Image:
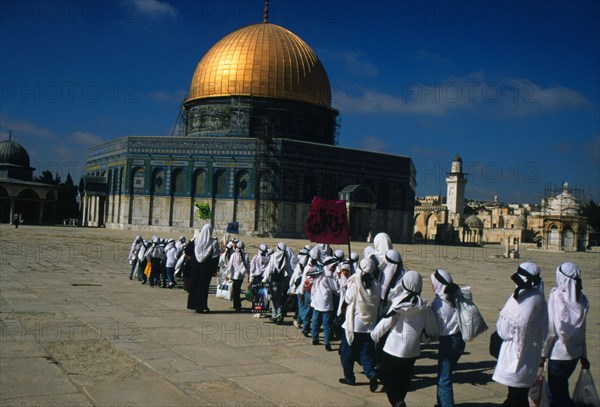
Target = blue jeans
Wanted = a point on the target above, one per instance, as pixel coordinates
(301, 308)
(363, 350)
(170, 274)
(324, 317)
(308, 314)
(450, 349)
(559, 372)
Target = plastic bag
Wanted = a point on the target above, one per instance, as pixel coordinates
(224, 290)
(470, 320)
(539, 393)
(585, 394)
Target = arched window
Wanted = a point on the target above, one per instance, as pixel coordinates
(220, 183)
(158, 182)
(178, 183)
(199, 184)
(138, 180)
(242, 186)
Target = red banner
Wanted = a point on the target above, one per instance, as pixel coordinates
(327, 222)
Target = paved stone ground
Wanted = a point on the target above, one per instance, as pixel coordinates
(75, 331)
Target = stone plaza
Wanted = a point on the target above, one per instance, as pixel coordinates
(75, 331)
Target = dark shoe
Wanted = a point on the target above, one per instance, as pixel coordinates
(315, 341)
(400, 404)
(328, 347)
(131, 278)
(373, 384)
(343, 380)
(199, 311)
(306, 334)
(143, 282)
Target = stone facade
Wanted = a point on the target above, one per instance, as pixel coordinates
(265, 186)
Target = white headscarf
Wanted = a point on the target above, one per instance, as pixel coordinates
(527, 276)
(279, 257)
(394, 265)
(570, 311)
(382, 244)
(412, 284)
(203, 243)
(439, 287)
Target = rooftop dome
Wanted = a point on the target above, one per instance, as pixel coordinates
(564, 203)
(13, 153)
(473, 222)
(262, 60)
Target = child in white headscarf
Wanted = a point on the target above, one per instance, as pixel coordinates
(409, 317)
(238, 268)
(324, 286)
(362, 296)
(278, 275)
(523, 326)
(451, 344)
(565, 345)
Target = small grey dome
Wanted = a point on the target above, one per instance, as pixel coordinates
(473, 222)
(13, 153)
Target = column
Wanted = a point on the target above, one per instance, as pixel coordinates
(12, 211)
(41, 214)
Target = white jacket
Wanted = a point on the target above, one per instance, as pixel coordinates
(238, 266)
(258, 266)
(523, 327)
(171, 252)
(321, 297)
(405, 327)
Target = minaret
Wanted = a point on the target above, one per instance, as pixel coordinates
(456, 180)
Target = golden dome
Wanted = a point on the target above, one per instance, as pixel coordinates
(263, 60)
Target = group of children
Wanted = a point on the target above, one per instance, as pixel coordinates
(376, 309)
(154, 260)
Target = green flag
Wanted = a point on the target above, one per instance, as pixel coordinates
(203, 210)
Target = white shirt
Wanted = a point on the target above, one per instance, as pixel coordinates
(321, 296)
(523, 326)
(171, 253)
(446, 316)
(405, 327)
(258, 266)
(361, 324)
(238, 266)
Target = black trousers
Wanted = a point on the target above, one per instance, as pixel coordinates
(395, 374)
(236, 291)
(517, 397)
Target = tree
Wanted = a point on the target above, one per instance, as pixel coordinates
(67, 200)
(591, 210)
(46, 177)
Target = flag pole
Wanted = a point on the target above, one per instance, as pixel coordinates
(348, 220)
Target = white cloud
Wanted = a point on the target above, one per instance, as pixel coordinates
(505, 97)
(353, 61)
(372, 143)
(66, 154)
(85, 138)
(22, 128)
(153, 8)
(170, 98)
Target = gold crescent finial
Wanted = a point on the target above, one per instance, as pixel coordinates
(266, 12)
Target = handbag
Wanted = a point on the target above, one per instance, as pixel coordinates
(585, 394)
(470, 320)
(148, 269)
(495, 344)
(248, 294)
(539, 393)
(224, 290)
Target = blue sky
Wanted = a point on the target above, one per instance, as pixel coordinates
(513, 87)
